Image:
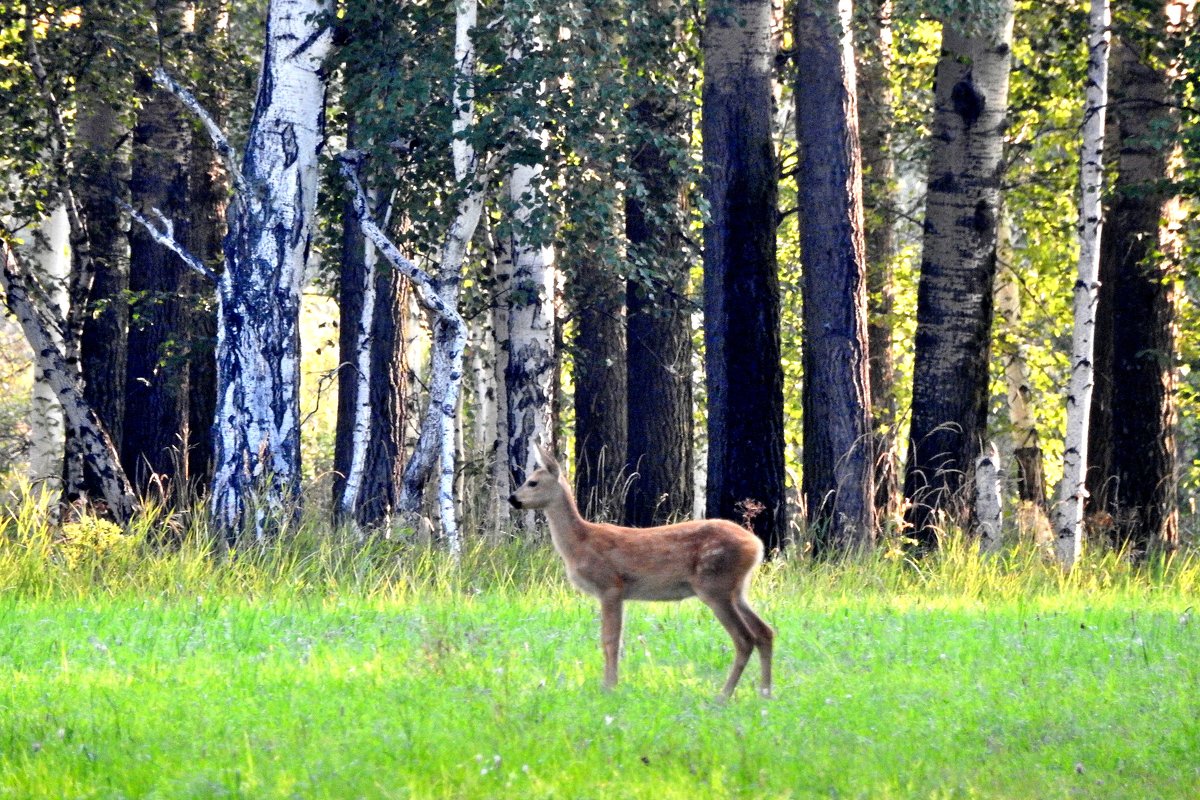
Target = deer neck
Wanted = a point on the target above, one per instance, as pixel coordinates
(567, 525)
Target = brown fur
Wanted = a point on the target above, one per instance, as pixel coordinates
(710, 559)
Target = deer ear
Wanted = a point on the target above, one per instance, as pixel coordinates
(547, 460)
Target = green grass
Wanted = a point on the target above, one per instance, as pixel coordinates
(324, 669)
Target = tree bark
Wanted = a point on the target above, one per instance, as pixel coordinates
(156, 378)
(873, 83)
(1068, 519)
(102, 158)
(741, 285)
(989, 508)
(208, 199)
(440, 298)
(1027, 452)
(369, 444)
(96, 448)
(528, 295)
(958, 265)
(257, 434)
(1134, 479)
(49, 256)
(502, 484)
(659, 451)
(838, 461)
(600, 384)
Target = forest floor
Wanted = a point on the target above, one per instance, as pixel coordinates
(325, 677)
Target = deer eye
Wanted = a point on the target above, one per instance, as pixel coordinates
(532, 484)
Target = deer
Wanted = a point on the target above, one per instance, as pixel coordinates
(711, 559)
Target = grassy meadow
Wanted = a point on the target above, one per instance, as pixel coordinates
(323, 668)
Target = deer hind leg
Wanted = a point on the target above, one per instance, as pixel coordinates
(743, 640)
(610, 637)
(764, 640)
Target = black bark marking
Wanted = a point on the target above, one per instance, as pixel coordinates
(291, 150)
(968, 102)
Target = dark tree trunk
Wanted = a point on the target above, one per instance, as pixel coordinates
(958, 267)
(741, 284)
(659, 335)
(838, 463)
(208, 197)
(659, 378)
(600, 387)
(156, 377)
(874, 66)
(377, 490)
(1031, 480)
(1133, 478)
(102, 159)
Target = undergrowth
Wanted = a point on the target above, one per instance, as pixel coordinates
(165, 554)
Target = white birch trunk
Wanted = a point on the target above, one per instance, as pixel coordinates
(437, 439)
(529, 305)
(50, 261)
(257, 430)
(989, 511)
(529, 372)
(483, 379)
(95, 447)
(1068, 522)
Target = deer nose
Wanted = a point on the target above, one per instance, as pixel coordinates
(513, 501)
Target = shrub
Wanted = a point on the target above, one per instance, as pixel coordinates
(93, 540)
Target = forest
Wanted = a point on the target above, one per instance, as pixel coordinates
(811, 268)
(304, 297)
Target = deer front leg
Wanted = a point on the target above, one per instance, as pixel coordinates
(610, 636)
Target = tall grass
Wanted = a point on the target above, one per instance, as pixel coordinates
(174, 554)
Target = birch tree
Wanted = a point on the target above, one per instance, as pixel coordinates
(958, 262)
(53, 328)
(1027, 452)
(437, 440)
(372, 391)
(1068, 516)
(436, 444)
(256, 475)
(527, 275)
(95, 447)
(49, 256)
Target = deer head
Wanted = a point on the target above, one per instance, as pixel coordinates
(541, 488)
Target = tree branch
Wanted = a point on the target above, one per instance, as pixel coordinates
(220, 141)
(166, 237)
(349, 163)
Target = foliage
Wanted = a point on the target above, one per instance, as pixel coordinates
(92, 540)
